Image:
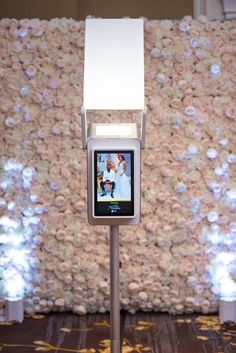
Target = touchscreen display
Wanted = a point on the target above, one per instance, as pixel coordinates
(114, 183)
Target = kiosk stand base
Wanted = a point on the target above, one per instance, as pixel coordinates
(14, 310)
(227, 310)
(114, 290)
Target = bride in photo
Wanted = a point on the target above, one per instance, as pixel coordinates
(122, 181)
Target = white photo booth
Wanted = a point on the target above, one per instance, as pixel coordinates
(114, 80)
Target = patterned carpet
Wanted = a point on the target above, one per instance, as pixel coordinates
(142, 333)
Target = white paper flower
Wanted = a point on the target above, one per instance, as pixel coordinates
(231, 194)
(184, 26)
(24, 91)
(190, 111)
(215, 69)
(192, 149)
(224, 142)
(211, 153)
(156, 52)
(219, 171)
(231, 158)
(212, 217)
(194, 42)
(10, 122)
(22, 32)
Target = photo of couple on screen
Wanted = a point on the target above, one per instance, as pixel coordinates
(114, 176)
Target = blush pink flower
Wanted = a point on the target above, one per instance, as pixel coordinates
(37, 32)
(31, 71)
(74, 26)
(179, 68)
(200, 54)
(60, 63)
(13, 32)
(203, 19)
(53, 84)
(61, 234)
(176, 103)
(231, 112)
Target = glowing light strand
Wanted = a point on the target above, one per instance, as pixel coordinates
(18, 225)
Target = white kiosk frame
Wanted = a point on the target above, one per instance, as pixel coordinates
(114, 69)
(114, 80)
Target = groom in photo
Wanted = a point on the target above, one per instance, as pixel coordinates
(108, 179)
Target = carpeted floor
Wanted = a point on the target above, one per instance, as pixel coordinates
(142, 333)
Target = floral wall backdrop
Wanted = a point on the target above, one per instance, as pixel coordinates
(182, 257)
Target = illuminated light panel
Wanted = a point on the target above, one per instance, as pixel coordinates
(227, 288)
(14, 285)
(114, 130)
(226, 257)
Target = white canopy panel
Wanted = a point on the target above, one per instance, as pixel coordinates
(114, 64)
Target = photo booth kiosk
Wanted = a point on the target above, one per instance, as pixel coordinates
(113, 199)
(114, 80)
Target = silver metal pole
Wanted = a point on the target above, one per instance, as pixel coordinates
(84, 126)
(114, 290)
(143, 127)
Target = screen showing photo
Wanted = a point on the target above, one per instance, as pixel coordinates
(113, 183)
